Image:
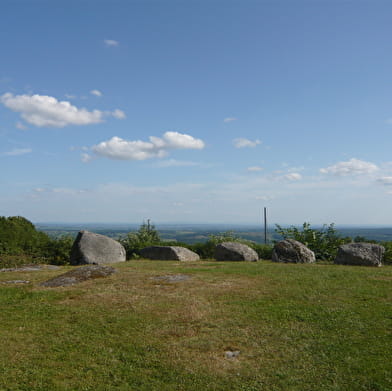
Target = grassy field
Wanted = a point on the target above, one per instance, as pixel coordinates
(297, 327)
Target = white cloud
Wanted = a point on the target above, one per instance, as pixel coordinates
(17, 152)
(351, 167)
(120, 149)
(230, 119)
(111, 42)
(255, 168)
(96, 92)
(245, 143)
(119, 114)
(47, 111)
(293, 176)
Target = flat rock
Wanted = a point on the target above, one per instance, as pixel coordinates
(292, 251)
(360, 254)
(78, 275)
(15, 282)
(172, 278)
(169, 253)
(92, 248)
(234, 251)
(29, 268)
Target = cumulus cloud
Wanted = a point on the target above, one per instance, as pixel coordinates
(350, 167)
(255, 168)
(230, 119)
(96, 93)
(111, 42)
(47, 111)
(17, 152)
(158, 147)
(245, 143)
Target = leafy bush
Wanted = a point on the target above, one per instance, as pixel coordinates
(323, 242)
(264, 251)
(133, 242)
(388, 253)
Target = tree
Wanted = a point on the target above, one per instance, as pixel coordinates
(147, 235)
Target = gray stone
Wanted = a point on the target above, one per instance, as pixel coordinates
(292, 251)
(232, 354)
(78, 275)
(29, 268)
(15, 282)
(169, 253)
(361, 254)
(92, 248)
(234, 251)
(172, 278)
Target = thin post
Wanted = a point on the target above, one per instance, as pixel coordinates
(265, 225)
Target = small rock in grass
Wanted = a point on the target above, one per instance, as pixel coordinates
(232, 354)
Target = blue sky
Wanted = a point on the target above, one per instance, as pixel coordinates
(196, 111)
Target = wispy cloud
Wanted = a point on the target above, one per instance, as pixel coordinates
(230, 119)
(96, 93)
(176, 163)
(292, 176)
(245, 143)
(17, 152)
(47, 111)
(20, 125)
(350, 167)
(157, 147)
(254, 169)
(111, 42)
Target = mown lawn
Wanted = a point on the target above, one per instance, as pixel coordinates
(297, 327)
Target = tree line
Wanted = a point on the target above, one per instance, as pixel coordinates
(21, 242)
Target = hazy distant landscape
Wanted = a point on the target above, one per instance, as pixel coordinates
(193, 233)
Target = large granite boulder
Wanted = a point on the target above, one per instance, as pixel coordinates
(234, 251)
(79, 274)
(169, 253)
(292, 251)
(362, 254)
(91, 248)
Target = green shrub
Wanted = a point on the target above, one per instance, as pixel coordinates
(133, 242)
(388, 253)
(323, 242)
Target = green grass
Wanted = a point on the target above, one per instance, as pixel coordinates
(298, 327)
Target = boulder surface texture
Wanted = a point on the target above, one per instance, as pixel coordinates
(234, 251)
(78, 275)
(169, 253)
(292, 251)
(362, 254)
(91, 248)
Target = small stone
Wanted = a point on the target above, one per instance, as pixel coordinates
(173, 278)
(232, 354)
